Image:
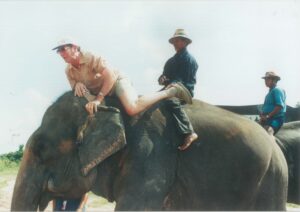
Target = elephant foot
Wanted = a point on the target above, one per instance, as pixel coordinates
(189, 139)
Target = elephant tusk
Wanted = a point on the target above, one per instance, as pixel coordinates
(50, 186)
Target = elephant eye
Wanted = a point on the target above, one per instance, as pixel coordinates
(44, 149)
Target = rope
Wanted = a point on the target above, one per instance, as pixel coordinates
(90, 118)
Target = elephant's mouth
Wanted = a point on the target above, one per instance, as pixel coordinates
(70, 186)
(56, 188)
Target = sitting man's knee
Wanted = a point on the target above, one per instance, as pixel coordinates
(131, 110)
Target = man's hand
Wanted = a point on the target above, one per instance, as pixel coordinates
(91, 107)
(80, 89)
(263, 118)
(163, 80)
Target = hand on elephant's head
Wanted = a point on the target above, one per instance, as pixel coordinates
(66, 168)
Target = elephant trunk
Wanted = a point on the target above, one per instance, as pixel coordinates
(29, 185)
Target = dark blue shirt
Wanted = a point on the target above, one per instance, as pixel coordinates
(275, 97)
(182, 67)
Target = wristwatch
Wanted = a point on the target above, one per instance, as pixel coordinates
(100, 94)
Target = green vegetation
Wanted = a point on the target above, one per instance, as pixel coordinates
(10, 161)
(291, 205)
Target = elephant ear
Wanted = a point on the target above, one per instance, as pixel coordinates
(100, 137)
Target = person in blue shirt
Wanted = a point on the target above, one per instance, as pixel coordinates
(181, 68)
(274, 107)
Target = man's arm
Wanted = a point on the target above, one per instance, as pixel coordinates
(274, 112)
(109, 79)
(108, 76)
(265, 117)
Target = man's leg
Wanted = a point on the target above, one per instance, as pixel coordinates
(182, 122)
(134, 104)
(272, 126)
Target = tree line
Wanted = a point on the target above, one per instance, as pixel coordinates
(11, 159)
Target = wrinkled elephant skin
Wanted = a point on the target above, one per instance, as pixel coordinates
(288, 139)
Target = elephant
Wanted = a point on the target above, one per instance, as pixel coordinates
(292, 114)
(288, 139)
(135, 161)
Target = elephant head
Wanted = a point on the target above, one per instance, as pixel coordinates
(60, 155)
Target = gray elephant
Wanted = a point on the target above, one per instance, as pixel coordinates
(292, 113)
(234, 166)
(288, 139)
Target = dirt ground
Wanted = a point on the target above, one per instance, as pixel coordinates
(94, 202)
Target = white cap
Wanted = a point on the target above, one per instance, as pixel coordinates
(64, 42)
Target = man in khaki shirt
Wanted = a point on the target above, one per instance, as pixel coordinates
(89, 73)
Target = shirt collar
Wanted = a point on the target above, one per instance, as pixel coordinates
(182, 51)
(82, 60)
(272, 87)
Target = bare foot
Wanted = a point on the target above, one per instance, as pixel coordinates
(189, 139)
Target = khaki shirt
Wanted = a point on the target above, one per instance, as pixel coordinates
(89, 72)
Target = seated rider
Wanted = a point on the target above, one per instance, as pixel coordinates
(90, 74)
(274, 107)
(182, 67)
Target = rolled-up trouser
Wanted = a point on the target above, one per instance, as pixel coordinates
(181, 119)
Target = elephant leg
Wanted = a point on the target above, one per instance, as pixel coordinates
(270, 194)
(145, 191)
(141, 198)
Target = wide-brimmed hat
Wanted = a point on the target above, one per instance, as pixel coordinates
(271, 74)
(182, 34)
(64, 42)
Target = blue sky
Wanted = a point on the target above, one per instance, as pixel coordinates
(234, 42)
